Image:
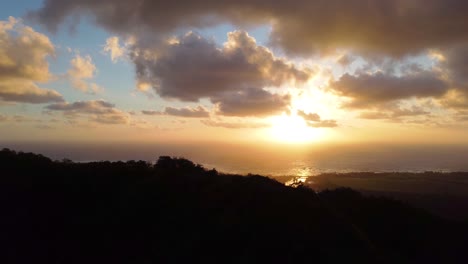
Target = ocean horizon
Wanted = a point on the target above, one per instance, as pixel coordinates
(273, 160)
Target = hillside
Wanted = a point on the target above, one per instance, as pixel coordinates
(175, 211)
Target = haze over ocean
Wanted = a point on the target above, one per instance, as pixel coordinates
(273, 160)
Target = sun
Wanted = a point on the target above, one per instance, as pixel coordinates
(293, 129)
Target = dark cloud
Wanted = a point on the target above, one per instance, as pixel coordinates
(234, 125)
(394, 27)
(97, 111)
(251, 102)
(90, 107)
(346, 60)
(192, 67)
(367, 90)
(391, 27)
(151, 112)
(232, 76)
(455, 63)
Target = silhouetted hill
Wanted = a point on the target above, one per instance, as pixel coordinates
(175, 211)
(441, 193)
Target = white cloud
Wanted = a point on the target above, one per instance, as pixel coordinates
(81, 70)
(113, 48)
(27, 92)
(23, 62)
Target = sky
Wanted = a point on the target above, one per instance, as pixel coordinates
(289, 72)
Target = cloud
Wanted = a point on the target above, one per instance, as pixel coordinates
(374, 115)
(113, 48)
(17, 119)
(197, 112)
(81, 69)
(455, 99)
(27, 92)
(368, 90)
(151, 112)
(308, 117)
(396, 28)
(455, 62)
(323, 124)
(414, 111)
(92, 107)
(234, 125)
(23, 61)
(461, 116)
(240, 77)
(98, 111)
(251, 102)
(192, 67)
(111, 119)
(346, 60)
(23, 52)
(314, 120)
(394, 113)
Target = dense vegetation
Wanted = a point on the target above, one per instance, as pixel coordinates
(175, 211)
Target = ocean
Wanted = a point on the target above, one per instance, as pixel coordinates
(269, 159)
(316, 166)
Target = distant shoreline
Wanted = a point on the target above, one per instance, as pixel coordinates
(270, 160)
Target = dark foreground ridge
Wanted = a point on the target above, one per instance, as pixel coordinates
(175, 211)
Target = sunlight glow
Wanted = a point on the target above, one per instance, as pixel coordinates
(293, 129)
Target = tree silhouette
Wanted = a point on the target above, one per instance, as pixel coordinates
(175, 211)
